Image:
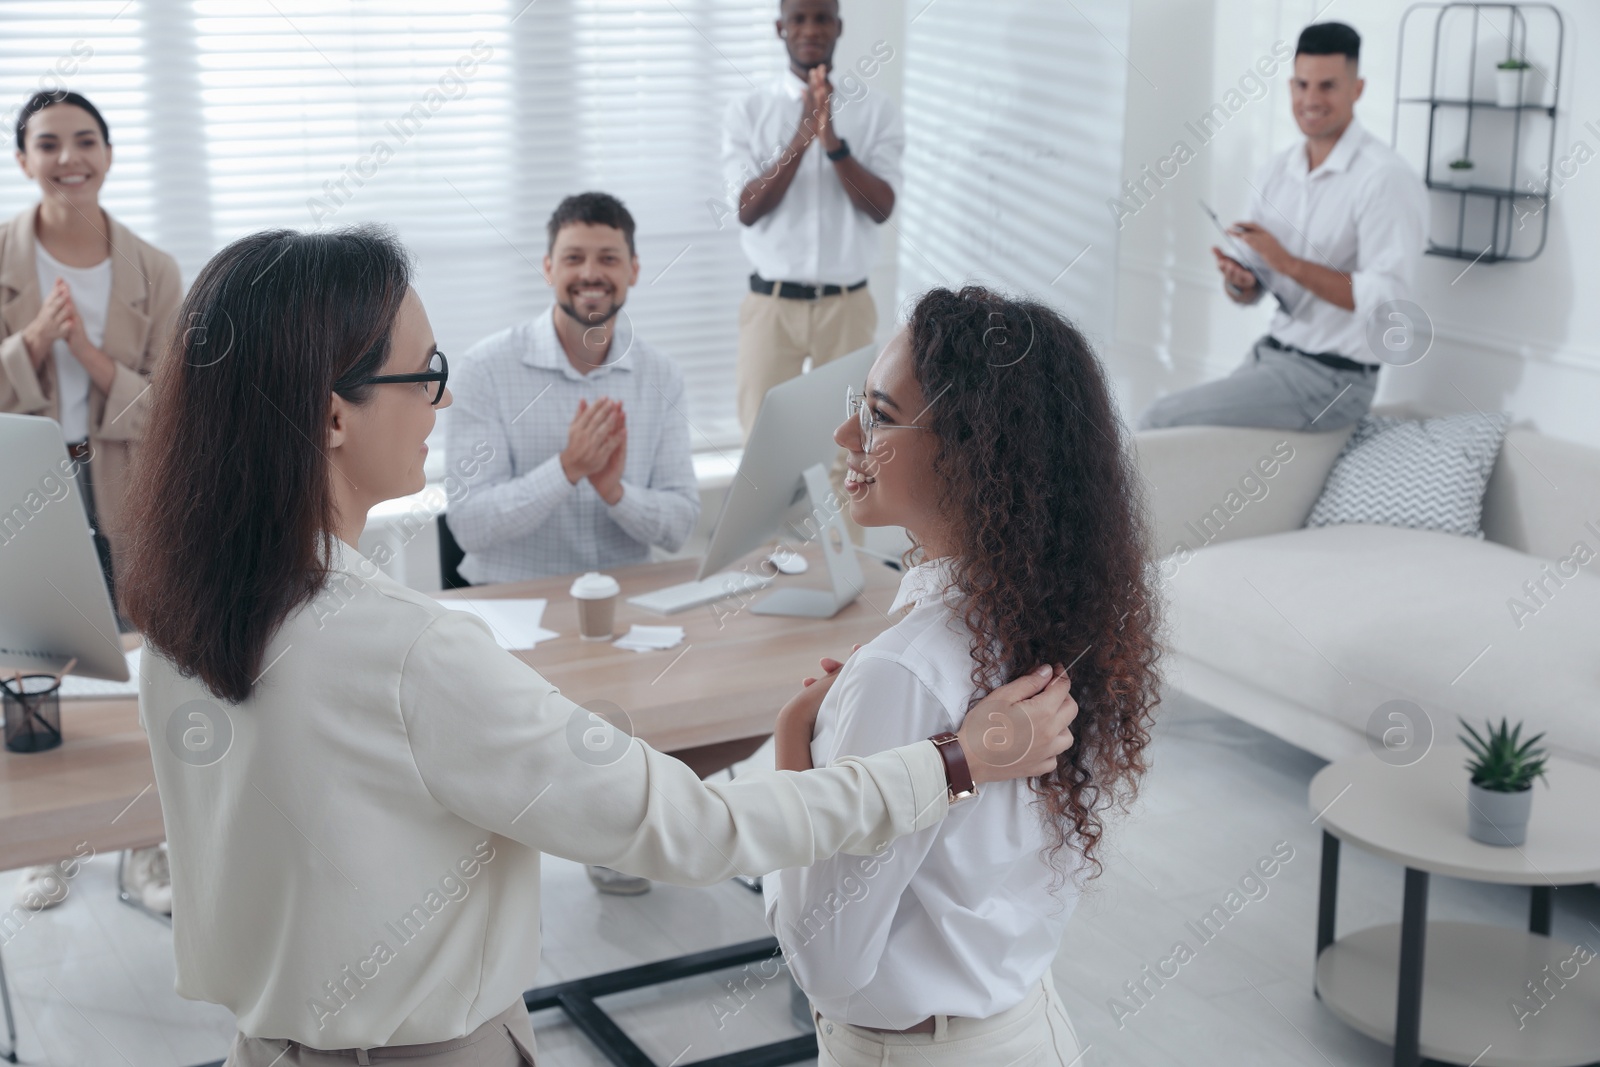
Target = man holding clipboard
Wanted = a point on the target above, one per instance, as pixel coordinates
(1338, 232)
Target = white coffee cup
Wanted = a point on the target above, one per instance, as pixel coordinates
(596, 595)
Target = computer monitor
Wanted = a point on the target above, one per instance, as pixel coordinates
(54, 605)
(787, 458)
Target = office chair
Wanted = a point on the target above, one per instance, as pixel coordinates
(450, 557)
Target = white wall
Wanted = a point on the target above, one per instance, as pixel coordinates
(1509, 336)
(1014, 130)
(866, 24)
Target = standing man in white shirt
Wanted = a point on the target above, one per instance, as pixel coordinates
(815, 177)
(1338, 229)
(573, 427)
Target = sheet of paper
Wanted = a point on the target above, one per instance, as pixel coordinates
(514, 621)
(650, 638)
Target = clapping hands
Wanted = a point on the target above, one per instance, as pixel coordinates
(597, 447)
(57, 320)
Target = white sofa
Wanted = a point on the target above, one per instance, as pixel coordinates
(1305, 632)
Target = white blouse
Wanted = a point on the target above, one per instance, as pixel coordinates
(91, 295)
(355, 848)
(956, 919)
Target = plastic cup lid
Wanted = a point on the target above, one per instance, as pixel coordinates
(595, 586)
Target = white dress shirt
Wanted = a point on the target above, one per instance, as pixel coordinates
(91, 295)
(355, 847)
(958, 919)
(815, 235)
(516, 516)
(1362, 212)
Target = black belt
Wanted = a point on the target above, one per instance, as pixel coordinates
(1327, 359)
(797, 291)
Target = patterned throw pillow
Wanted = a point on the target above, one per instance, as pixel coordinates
(1422, 475)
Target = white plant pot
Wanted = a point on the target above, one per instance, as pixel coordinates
(1511, 85)
(1498, 818)
(1461, 179)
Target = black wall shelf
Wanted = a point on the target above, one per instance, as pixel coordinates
(1487, 216)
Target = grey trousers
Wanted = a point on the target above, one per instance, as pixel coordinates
(1274, 390)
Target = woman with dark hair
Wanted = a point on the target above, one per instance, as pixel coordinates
(987, 431)
(357, 782)
(88, 306)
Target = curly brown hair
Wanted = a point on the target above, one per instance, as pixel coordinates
(1041, 494)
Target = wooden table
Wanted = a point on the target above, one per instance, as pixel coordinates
(721, 688)
(726, 681)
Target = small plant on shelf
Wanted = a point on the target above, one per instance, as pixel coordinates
(1461, 173)
(1501, 762)
(1503, 767)
(1513, 82)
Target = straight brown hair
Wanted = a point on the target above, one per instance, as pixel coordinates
(230, 508)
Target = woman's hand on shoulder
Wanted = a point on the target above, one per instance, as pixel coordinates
(797, 719)
(1019, 729)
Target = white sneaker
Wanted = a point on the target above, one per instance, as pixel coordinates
(616, 883)
(41, 888)
(149, 879)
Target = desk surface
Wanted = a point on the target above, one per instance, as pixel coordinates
(725, 682)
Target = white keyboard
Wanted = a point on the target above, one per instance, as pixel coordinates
(74, 687)
(77, 687)
(676, 598)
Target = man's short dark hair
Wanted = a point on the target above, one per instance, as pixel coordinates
(41, 100)
(595, 209)
(1329, 39)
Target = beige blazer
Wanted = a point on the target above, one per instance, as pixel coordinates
(146, 290)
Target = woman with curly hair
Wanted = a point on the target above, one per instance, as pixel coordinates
(988, 432)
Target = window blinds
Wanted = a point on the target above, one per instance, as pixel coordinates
(460, 125)
(1014, 118)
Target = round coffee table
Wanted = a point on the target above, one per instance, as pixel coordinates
(1495, 997)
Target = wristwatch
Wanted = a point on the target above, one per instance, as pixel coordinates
(840, 152)
(957, 775)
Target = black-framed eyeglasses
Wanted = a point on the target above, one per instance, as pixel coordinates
(438, 371)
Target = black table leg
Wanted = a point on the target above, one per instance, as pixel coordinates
(576, 999)
(1327, 899)
(1539, 912)
(10, 1054)
(1408, 1001)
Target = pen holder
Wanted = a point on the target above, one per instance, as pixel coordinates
(32, 712)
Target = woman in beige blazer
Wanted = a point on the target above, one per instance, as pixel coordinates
(86, 308)
(63, 144)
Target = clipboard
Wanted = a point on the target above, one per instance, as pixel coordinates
(1245, 257)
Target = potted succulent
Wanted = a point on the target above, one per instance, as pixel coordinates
(1510, 80)
(1500, 795)
(1461, 171)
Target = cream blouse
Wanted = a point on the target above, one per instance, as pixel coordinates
(355, 848)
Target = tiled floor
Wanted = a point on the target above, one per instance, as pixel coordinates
(93, 979)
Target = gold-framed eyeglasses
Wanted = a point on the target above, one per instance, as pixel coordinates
(856, 407)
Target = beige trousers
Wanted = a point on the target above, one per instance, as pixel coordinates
(1035, 1033)
(504, 1041)
(777, 335)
